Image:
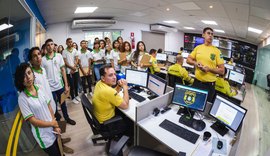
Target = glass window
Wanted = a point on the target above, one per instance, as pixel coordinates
(90, 36)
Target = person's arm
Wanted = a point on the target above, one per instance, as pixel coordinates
(63, 72)
(192, 61)
(186, 77)
(219, 70)
(125, 103)
(89, 66)
(40, 123)
(68, 65)
(81, 68)
(229, 91)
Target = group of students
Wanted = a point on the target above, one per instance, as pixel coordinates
(42, 82)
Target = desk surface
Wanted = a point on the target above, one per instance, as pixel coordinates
(151, 126)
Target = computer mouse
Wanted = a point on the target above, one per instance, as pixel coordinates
(219, 144)
(198, 125)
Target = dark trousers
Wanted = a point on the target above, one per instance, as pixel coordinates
(89, 82)
(209, 86)
(73, 83)
(53, 150)
(57, 97)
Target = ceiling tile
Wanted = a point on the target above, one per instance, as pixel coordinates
(236, 11)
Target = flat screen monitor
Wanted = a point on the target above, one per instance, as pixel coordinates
(136, 77)
(156, 84)
(171, 58)
(189, 97)
(198, 41)
(227, 113)
(236, 77)
(229, 66)
(161, 57)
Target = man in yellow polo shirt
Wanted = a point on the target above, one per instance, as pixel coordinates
(178, 70)
(106, 98)
(208, 62)
(224, 87)
(154, 66)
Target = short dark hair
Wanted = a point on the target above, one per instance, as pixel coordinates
(31, 52)
(152, 51)
(102, 69)
(19, 76)
(68, 39)
(102, 41)
(207, 28)
(159, 50)
(48, 40)
(181, 48)
(82, 41)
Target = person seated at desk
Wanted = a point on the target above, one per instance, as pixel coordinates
(181, 51)
(106, 98)
(224, 87)
(178, 70)
(231, 62)
(154, 69)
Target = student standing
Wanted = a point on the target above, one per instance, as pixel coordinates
(36, 108)
(98, 59)
(137, 55)
(56, 72)
(125, 63)
(85, 67)
(208, 62)
(71, 60)
(115, 56)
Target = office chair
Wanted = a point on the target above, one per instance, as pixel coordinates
(116, 150)
(109, 130)
(173, 79)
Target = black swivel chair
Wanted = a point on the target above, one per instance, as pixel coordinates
(174, 79)
(109, 130)
(116, 150)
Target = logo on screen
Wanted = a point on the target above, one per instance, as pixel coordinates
(189, 97)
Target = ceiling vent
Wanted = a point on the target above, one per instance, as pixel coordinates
(162, 28)
(92, 23)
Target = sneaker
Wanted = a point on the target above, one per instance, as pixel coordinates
(75, 101)
(78, 98)
(67, 150)
(65, 140)
(71, 122)
(91, 94)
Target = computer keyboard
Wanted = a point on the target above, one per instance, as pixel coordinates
(136, 97)
(180, 131)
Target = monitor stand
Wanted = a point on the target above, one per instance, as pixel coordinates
(220, 128)
(185, 111)
(186, 120)
(138, 89)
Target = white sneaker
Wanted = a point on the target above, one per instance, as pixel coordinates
(91, 94)
(78, 99)
(75, 101)
(85, 94)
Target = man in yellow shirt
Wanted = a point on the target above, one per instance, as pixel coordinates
(181, 51)
(106, 98)
(208, 62)
(178, 70)
(224, 87)
(154, 66)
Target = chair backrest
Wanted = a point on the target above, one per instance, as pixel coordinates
(173, 79)
(88, 109)
(268, 80)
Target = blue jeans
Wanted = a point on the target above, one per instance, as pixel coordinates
(96, 70)
(57, 97)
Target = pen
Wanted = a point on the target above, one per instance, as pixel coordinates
(56, 133)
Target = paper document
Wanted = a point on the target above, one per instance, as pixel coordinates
(64, 97)
(146, 59)
(59, 142)
(122, 57)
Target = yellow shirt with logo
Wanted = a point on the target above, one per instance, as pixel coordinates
(224, 87)
(208, 56)
(104, 100)
(154, 67)
(178, 70)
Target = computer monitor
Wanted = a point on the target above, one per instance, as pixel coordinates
(171, 58)
(189, 97)
(231, 67)
(227, 74)
(161, 57)
(236, 77)
(156, 84)
(136, 77)
(227, 114)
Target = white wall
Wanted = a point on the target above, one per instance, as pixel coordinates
(60, 31)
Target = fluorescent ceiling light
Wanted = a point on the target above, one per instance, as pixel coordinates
(190, 28)
(209, 22)
(171, 22)
(258, 31)
(218, 30)
(5, 26)
(80, 10)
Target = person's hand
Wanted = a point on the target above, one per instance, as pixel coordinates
(205, 69)
(74, 68)
(66, 89)
(54, 123)
(72, 71)
(57, 130)
(84, 73)
(122, 83)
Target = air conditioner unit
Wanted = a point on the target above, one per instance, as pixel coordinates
(162, 28)
(92, 23)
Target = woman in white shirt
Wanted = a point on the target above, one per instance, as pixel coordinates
(98, 59)
(125, 63)
(137, 55)
(115, 56)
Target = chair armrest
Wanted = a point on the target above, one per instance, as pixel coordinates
(117, 148)
(113, 120)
